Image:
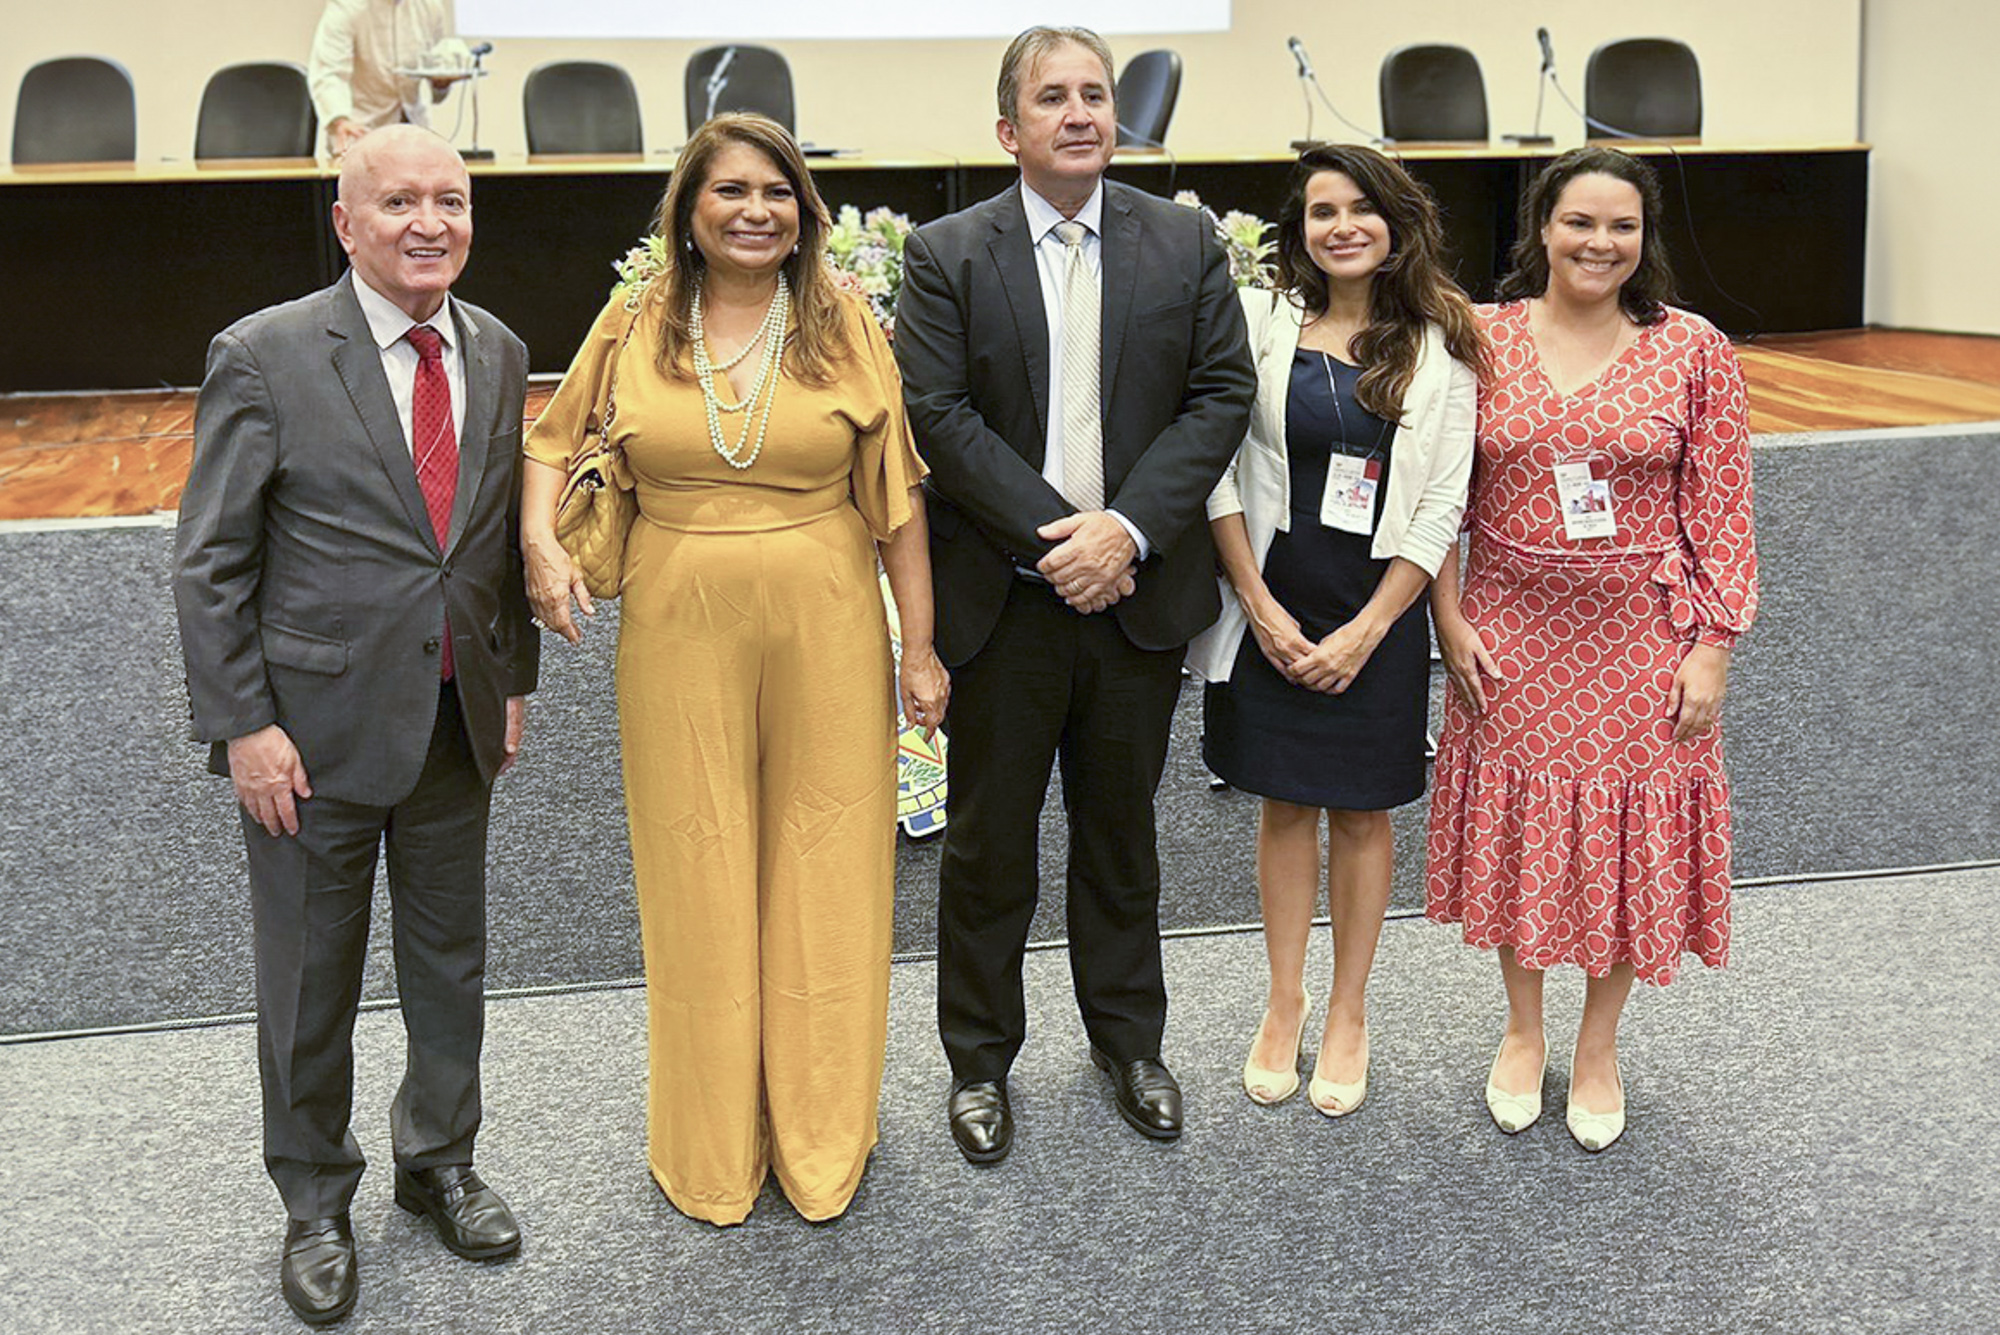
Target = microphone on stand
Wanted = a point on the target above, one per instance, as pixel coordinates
(1680, 167)
(1590, 122)
(1308, 85)
(476, 153)
(718, 79)
(1543, 78)
(1298, 50)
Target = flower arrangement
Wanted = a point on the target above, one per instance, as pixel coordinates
(866, 255)
(641, 265)
(864, 251)
(1243, 240)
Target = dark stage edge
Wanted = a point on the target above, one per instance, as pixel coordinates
(1810, 1151)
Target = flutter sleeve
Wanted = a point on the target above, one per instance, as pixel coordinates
(558, 433)
(886, 464)
(1714, 495)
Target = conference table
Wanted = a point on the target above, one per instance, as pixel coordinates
(115, 277)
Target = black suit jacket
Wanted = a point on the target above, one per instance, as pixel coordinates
(312, 592)
(1177, 383)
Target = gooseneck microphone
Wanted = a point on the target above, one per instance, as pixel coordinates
(478, 53)
(1308, 86)
(718, 79)
(1298, 50)
(1591, 123)
(1551, 81)
(1543, 79)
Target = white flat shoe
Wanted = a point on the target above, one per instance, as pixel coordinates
(1332, 1100)
(1267, 1086)
(1515, 1113)
(1597, 1131)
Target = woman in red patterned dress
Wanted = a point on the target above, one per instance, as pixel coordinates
(1580, 811)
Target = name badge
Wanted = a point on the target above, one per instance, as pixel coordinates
(1583, 489)
(1350, 493)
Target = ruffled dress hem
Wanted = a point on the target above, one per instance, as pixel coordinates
(1596, 871)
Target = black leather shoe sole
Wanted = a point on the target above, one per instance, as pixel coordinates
(416, 1202)
(1132, 1119)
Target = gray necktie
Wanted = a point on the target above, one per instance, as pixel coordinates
(1082, 412)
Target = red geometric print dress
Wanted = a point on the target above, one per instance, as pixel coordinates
(1565, 821)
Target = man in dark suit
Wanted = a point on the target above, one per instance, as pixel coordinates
(1074, 360)
(348, 577)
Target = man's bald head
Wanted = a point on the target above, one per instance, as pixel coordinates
(360, 161)
(404, 216)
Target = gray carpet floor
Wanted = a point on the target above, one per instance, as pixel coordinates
(1814, 1147)
(1860, 737)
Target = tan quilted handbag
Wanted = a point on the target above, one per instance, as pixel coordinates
(594, 514)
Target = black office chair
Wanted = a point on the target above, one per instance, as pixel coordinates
(581, 106)
(739, 78)
(75, 109)
(1433, 91)
(1645, 86)
(256, 110)
(1147, 91)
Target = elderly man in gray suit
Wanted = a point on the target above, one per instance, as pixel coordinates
(348, 577)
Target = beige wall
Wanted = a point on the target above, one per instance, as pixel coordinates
(1930, 106)
(1775, 71)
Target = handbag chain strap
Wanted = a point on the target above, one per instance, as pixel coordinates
(610, 413)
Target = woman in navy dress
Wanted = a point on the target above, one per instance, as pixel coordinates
(1340, 506)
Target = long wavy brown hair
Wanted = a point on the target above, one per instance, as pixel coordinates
(1411, 290)
(1646, 294)
(820, 339)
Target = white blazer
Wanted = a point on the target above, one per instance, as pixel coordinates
(1430, 462)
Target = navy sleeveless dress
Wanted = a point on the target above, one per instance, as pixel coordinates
(1361, 750)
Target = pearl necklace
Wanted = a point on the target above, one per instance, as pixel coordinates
(771, 334)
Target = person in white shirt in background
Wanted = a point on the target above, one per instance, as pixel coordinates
(356, 52)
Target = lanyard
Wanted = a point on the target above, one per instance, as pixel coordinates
(1340, 417)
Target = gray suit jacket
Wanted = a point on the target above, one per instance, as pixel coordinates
(1177, 381)
(311, 590)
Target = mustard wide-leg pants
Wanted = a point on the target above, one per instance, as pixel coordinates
(757, 720)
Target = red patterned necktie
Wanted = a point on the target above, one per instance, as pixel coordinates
(434, 446)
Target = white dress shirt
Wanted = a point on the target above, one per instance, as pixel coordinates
(356, 51)
(1051, 264)
(388, 323)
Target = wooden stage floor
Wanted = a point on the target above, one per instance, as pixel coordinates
(83, 455)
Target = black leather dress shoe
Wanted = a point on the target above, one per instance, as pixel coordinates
(982, 1125)
(1147, 1094)
(471, 1218)
(318, 1274)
